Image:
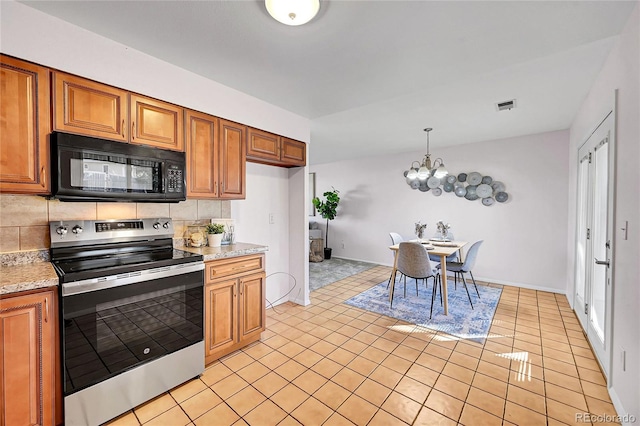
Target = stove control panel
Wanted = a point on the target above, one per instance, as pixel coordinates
(120, 225)
(85, 232)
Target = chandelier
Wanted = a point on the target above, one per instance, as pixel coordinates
(292, 12)
(423, 175)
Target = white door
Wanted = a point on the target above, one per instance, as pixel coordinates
(592, 299)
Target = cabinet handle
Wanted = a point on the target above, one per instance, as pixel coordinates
(239, 267)
(43, 177)
(215, 188)
(46, 310)
(133, 130)
(241, 287)
(123, 128)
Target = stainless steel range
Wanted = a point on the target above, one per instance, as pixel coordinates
(131, 314)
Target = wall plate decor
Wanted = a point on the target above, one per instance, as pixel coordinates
(474, 178)
(427, 176)
(470, 186)
(483, 190)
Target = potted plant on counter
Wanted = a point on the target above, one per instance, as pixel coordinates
(328, 209)
(214, 234)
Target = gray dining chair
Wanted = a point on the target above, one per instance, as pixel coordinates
(395, 239)
(460, 268)
(413, 262)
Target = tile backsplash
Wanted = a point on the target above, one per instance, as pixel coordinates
(24, 219)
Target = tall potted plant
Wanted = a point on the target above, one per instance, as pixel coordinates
(328, 209)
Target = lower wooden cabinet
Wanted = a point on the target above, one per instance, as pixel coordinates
(234, 304)
(28, 359)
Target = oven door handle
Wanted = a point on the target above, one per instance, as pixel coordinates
(95, 284)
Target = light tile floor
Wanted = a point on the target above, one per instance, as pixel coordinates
(332, 364)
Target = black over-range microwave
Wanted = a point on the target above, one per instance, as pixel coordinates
(92, 169)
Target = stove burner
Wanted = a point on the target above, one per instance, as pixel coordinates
(113, 247)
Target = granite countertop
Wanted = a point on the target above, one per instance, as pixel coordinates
(232, 250)
(30, 276)
(31, 270)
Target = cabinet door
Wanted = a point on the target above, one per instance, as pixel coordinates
(263, 146)
(89, 108)
(24, 126)
(293, 153)
(202, 155)
(156, 123)
(27, 329)
(221, 316)
(252, 309)
(232, 160)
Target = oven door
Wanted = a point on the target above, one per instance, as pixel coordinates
(114, 324)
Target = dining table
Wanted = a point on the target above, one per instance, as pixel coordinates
(438, 248)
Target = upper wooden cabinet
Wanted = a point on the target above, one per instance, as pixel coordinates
(24, 127)
(215, 157)
(85, 107)
(233, 157)
(156, 123)
(90, 108)
(263, 146)
(292, 152)
(268, 148)
(27, 348)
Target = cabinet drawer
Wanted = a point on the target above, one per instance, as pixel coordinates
(233, 266)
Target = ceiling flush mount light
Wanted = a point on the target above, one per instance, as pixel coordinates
(423, 175)
(292, 12)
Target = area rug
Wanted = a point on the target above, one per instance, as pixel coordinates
(462, 321)
(331, 270)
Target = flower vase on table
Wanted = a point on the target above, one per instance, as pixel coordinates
(443, 229)
(420, 227)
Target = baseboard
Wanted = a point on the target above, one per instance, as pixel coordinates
(361, 260)
(623, 417)
(527, 286)
(483, 279)
(300, 301)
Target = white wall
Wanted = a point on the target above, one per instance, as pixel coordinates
(622, 72)
(34, 36)
(299, 233)
(267, 188)
(524, 239)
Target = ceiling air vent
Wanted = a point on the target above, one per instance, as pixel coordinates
(502, 106)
